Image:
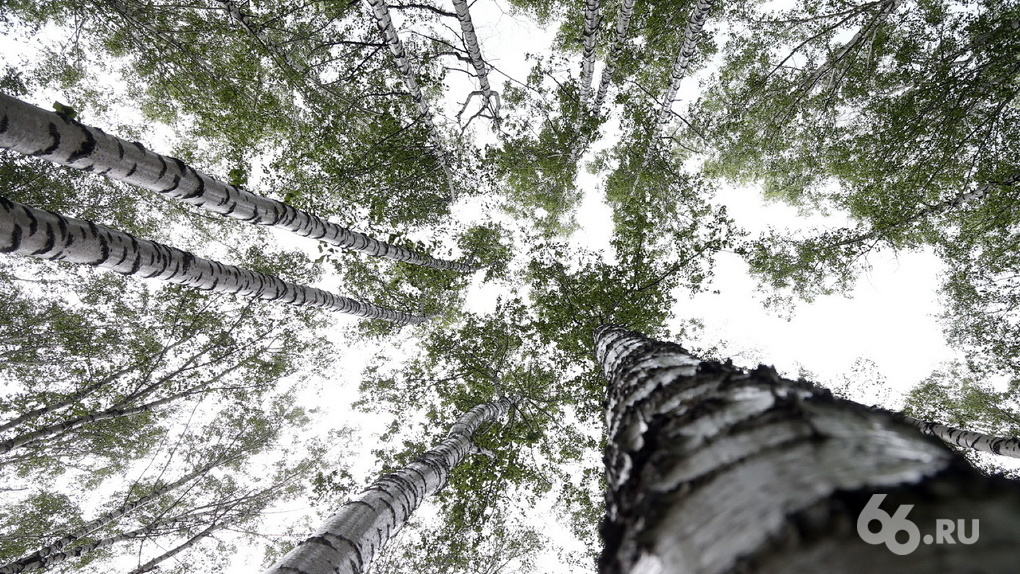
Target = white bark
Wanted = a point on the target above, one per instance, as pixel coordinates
(1004, 446)
(592, 16)
(30, 130)
(622, 28)
(467, 29)
(712, 470)
(348, 540)
(28, 231)
(681, 65)
(383, 21)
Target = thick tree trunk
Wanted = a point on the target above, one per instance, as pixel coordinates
(27, 129)
(622, 28)
(1004, 446)
(712, 469)
(28, 231)
(383, 21)
(349, 539)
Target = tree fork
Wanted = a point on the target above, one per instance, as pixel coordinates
(43, 234)
(30, 130)
(712, 469)
(348, 540)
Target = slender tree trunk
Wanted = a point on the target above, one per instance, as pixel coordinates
(592, 16)
(28, 231)
(622, 28)
(383, 21)
(1004, 446)
(712, 469)
(681, 65)
(55, 547)
(27, 129)
(467, 29)
(349, 539)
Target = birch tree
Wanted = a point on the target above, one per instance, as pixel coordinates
(46, 235)
(693, 445)
(32, 131)
(383, 21)
(350, 538)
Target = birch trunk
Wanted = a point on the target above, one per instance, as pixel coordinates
(30, 130)
(383, 21)
(467, 29)
(55, 547)
(592, 15)
(348, 540)
(712, 469)
(622, 27)
(28, 231)
(681, 65)
(1004, 446)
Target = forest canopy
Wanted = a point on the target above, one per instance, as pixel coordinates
(497, 180)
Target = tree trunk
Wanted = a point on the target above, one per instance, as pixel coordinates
(1004, 446)
(347, 541)
(622, 27)
(27, 129)
(681, 65)
(712, 469)
(467, 29)
(592, 16)
(383, 21)
(28, 231)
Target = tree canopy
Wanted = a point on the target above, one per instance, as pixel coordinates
(576, 178)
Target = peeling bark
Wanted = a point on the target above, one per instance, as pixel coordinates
(712, 469)
(43, 234)
(30, 130)
(349, 539)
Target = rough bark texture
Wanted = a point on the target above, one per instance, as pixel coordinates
(28, 231)
(383, 21)
(622, 28)
(30, 130)
(1004, 446)
(712, 469)
(348, 540)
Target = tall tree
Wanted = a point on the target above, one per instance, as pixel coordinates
(46, 235)
(712, 468)
(350, 538)
(32, 131)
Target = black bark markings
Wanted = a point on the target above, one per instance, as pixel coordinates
(55, 134)
(85, 149)
(5, 124)
(15, 240)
